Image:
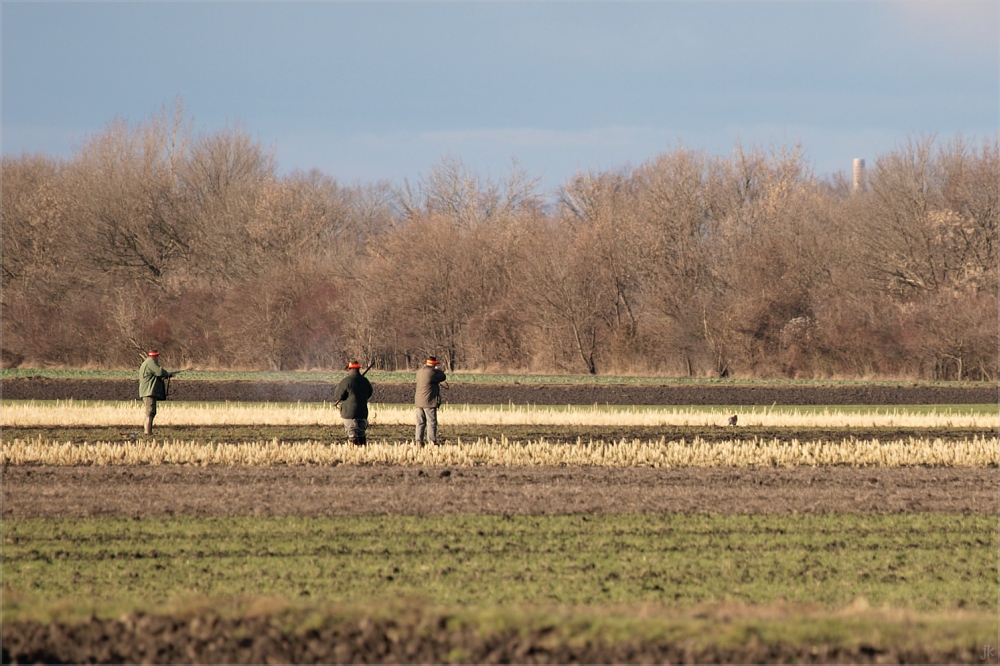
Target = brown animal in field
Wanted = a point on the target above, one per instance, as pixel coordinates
(732, 420)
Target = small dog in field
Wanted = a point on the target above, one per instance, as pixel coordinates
(732, 420)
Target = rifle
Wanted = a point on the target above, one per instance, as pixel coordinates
(166, 383)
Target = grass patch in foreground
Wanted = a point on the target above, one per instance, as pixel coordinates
(921, 562)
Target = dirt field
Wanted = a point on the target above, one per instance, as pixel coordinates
(30, 492)
(343, 490)
(51, 491)
(144, 639)
(315, 491)
(483, 394)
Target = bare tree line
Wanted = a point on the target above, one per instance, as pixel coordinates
(687, 265)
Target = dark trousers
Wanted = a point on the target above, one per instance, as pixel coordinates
(356, 430)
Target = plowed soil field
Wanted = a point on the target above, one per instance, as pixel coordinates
(31, 492)
(42, 388)
(145, 639)
(347, 490)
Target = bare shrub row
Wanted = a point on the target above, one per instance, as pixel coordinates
(688, 264)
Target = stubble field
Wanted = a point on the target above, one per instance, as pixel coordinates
(417, 561)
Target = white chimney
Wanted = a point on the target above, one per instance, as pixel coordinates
(859, 174)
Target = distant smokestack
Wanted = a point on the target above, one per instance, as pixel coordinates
(859, 174)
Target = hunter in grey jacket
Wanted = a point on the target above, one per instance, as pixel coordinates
(428, 395)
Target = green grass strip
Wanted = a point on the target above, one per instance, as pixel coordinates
(925, 562)
(465, 378)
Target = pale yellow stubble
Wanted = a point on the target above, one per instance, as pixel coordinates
(972, 452)
(129, 414)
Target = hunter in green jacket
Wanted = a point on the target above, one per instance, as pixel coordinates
(352, 394)
(152, 386)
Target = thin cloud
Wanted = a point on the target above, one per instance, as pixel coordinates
(969, 24)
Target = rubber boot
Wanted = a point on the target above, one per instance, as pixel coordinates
(148, 428)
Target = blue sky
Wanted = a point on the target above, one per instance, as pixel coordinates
(384, 91)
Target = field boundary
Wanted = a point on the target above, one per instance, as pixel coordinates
(663, 393)
(407, 377)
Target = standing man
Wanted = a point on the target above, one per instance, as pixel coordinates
(353, 393)
(152, 385)
(428, 399)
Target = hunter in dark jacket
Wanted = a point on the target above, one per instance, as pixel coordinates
(352, 394)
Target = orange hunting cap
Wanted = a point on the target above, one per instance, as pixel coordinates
(431, 360)
(353, 365)
(152, 352)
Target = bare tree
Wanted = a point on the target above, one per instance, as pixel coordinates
(41, 287)
(125, 199)
(931, 217)
(606, 210)
(226, 183)
(452, 191)
(563, 292)
(675, 221)
(33, 216)
(417, 275)
(766, 255)
(970, 204)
